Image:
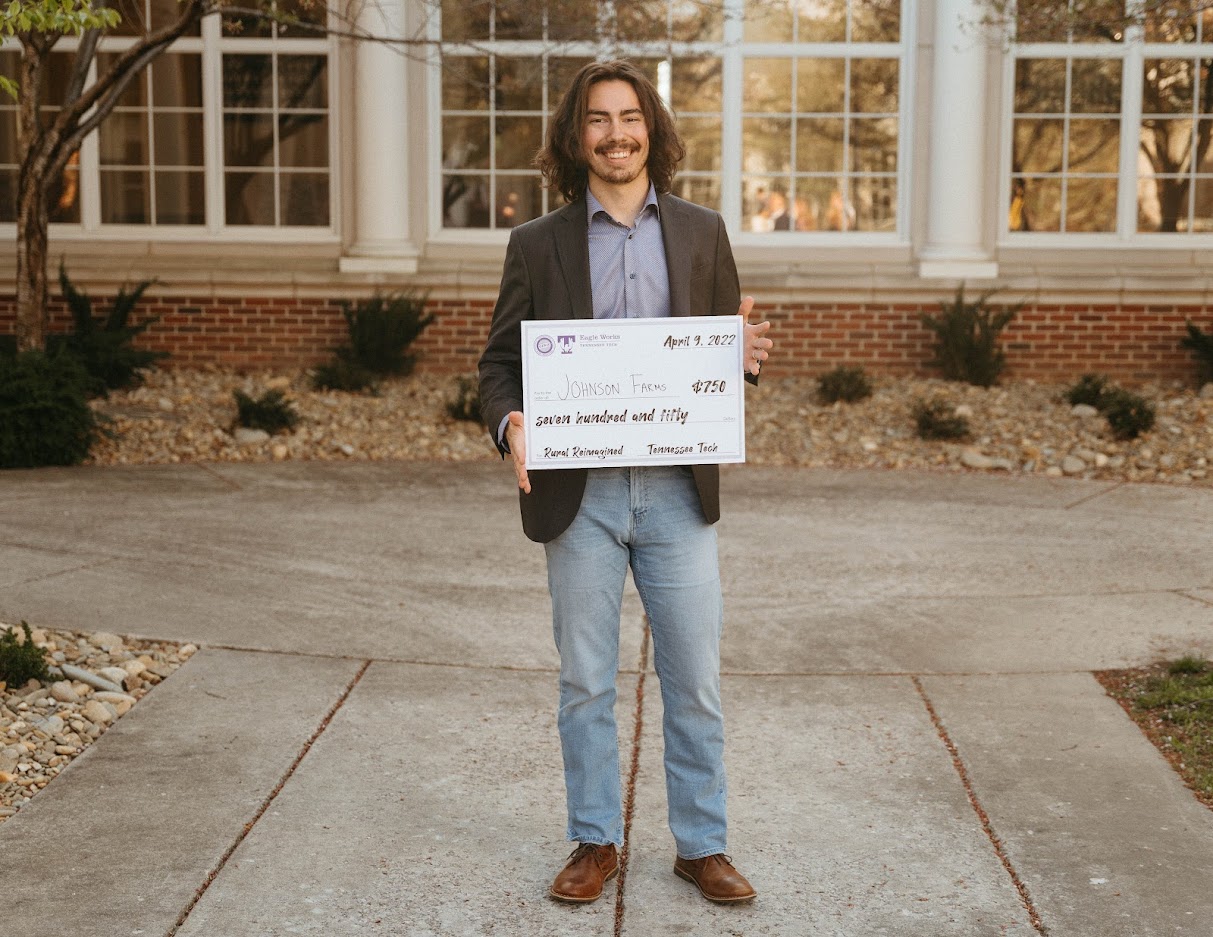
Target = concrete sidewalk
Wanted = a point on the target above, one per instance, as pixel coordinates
(366, 743)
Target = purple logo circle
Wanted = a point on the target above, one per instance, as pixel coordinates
(544, 345)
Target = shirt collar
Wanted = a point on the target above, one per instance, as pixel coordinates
(593, 206)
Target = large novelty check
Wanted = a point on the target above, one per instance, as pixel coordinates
(607, 392)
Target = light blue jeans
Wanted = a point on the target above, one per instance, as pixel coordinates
(650, 519)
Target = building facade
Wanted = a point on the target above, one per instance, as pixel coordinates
(868, 156)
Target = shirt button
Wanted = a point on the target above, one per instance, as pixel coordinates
(631, 276)
(629, 237)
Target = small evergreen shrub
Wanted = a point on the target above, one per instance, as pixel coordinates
(21, 661)
(45, 418)
(966, 338)
(104, 344)
(380, 331)
(937, 419)
(465, 405)
(271, 412)
(341, 374)
(1127, 413)
(1201, 345)
(1089, 389)
(1189, 664)
(843, 383)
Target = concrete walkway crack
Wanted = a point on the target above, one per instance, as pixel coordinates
(975, 803)
(269, 799)
(629, 793)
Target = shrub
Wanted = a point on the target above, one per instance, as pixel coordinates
(466, 403)
(103, 344)
(271, 412)
(21, 661)
(380, 331)
(1189, 664)
(1089, 389)
(843, 383)
(1202, 346)
(45, 418)
(966, 338)
(341, 374)
(937, 419)
(1127, 413)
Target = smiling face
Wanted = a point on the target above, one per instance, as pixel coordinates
(615, 138)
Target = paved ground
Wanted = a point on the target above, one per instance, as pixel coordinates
(365, 743)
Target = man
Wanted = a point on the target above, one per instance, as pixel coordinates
(623, 247)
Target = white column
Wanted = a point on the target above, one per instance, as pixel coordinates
(957, 167)
(382, 242)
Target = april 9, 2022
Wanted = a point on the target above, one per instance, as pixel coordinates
(618, 392)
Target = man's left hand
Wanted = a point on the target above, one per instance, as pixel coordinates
(757, 346)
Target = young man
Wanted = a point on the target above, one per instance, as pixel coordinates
(624, 247)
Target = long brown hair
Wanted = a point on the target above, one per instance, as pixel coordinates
(562, 161)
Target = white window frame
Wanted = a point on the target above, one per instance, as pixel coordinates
(732, 51)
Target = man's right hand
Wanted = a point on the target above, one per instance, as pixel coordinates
(515, 437)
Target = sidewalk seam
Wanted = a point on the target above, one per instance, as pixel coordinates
(999, 850)
(629, 793)
(269, 799)
(1094, 495)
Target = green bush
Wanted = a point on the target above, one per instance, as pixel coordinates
(937, 419)
(1202, 346)
(45, 418)
(843, 383)
(966, 338)
(380, 331)
(21, 661)
(1127, 413)
(1089, 389)
(341, 374)
(465, 405)
(103, 344)
(271, 412)
(1189, 664)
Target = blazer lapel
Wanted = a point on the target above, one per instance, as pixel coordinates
(674, 232)
(573, 250)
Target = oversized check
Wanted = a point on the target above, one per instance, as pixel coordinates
(607, 392)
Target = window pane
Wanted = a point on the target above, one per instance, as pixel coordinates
(560, 75)
(1041, 208)
(125, 196)
(1167, 144)
(874, 86)
(810, 206)
(178, 139)
(821, 21)
(465, 20)
(305, 198)
(840, 212)
(820, 86)
(695, 21)
(519, 199)
(249, 198)
(177, 80)
(701, 190)
(768, 86)
(134, 95)
(518, 139)
(702, 138)
(1091, 205)
(519, 19)
(166, 12)
(180, 198)
(247, 81)
(764, 204)
(874, 145)
(695, 85)
(1040, 86)
(642, 20)
(303, 140)
(1038, 145)
(519, 85)
(1204, 146)
(8, 195)
(819, 145)
(465, 83)
(570, 20)
(1167, 86)
(124, 139)
(248, 140)
(314, 12)
(766, 145)
(133, 18)
(1171, 21)
(875, 201)
(1094, 145)
(1095, 86)
(465, 201)
(768, 22)
(875, 20)
(303, 82)
(248, 26)
(8, 137)
(1203, 222)
(466, 142)
(1162, 204)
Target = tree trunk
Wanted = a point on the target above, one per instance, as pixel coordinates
(31, 262)
(1172, 203)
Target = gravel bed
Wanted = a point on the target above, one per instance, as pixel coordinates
(1019, 427)
(43, 727)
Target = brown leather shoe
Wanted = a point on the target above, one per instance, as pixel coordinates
(715, 878)
(588, 869)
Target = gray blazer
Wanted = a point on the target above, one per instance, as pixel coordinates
(547, 276)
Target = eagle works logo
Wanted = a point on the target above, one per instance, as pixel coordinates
(566, 343)
(544, 345)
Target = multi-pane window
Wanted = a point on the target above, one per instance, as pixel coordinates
(811, 90)
(1112, 120)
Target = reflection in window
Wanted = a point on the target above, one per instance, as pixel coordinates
(1175, 162)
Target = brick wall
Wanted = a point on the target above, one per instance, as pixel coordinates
(1043, 342)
